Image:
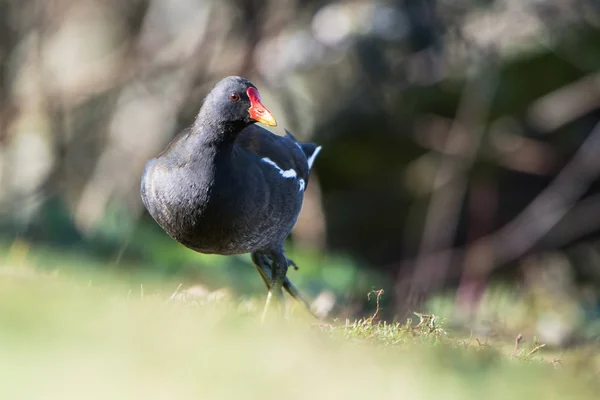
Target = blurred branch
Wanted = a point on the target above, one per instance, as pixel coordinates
(503, 146)
(520, 153)
(441, 220)
(550, 206)
(252, 12)
(583, 219)
(8, 40)
(566, 104)
(545, 212)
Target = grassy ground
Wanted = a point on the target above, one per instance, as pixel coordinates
(81, 336)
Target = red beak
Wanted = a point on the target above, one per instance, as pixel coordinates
(257, 111)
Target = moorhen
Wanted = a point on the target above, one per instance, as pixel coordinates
(227, 186)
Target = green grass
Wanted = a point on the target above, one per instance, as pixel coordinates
(94, 335)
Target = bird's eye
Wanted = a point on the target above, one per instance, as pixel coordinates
(234, 96)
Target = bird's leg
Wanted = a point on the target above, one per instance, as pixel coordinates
(279, 267)
(263, 265)
(263, 269)
(291, 289)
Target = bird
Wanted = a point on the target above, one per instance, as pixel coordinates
(227, 186)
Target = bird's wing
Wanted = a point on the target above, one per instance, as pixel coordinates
(284, 152)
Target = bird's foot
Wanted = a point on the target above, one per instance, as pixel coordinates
(264, 265)
(292, 264)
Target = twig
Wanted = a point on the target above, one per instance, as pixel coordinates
(536, 349)
(468, 342)
(517, 341)
(175, 292)
(378, 293)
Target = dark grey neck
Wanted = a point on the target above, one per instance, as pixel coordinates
(213, 130)
(208, 148)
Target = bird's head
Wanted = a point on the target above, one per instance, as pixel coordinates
(235, 100)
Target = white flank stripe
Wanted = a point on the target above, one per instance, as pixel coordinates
(312, 157)
(289, 173)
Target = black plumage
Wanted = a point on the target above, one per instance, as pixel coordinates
(227, 186)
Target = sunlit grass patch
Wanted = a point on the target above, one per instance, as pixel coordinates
(65, 336)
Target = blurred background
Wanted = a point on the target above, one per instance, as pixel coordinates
(461, 147)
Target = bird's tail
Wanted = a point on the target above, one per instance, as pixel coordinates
(311, 150)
